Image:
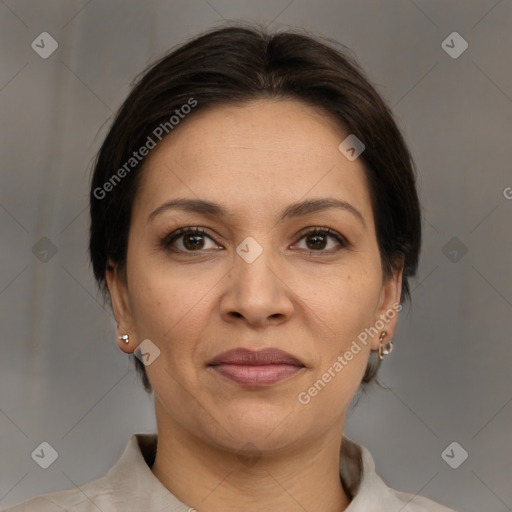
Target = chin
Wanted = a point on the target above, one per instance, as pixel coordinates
(253, 440)
(264, 426)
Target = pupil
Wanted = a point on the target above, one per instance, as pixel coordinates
(193, 245)
(318, 237)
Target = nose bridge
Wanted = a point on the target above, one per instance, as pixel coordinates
(254, 261)
(255, 291)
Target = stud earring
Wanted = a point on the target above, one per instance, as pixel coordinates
(125, 338)
(384, 348)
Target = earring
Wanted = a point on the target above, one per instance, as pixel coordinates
(384, 348)
(125, 338)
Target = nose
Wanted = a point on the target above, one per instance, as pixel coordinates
(258, 291)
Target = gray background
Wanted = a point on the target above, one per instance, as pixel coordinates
(64, 381)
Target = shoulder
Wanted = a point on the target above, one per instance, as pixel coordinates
(92, 496)
(369, 492)
(414, 503)
(125, 486)
(376, 496)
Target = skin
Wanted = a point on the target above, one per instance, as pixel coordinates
(306, 296)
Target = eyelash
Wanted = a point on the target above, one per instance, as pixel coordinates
(168, 240)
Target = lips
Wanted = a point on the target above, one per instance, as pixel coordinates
(243, 356)
(260, 368)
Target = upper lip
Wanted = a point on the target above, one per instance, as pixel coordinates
(266, 356)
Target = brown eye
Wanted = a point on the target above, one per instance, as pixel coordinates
(192, 240)
(317, 239)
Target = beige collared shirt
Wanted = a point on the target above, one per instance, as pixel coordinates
(130, 486)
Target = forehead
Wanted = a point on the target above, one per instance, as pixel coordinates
(260, 155)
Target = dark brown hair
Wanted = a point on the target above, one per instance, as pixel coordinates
(232, 65)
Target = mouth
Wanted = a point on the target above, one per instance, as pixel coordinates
(256, 369)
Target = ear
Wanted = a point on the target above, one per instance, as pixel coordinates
(118, 289)
(389, 303)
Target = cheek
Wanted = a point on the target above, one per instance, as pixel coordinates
(170, 316)
(345, 304)
(346, 308)
(170, 308)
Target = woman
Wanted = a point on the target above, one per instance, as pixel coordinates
(254, 223)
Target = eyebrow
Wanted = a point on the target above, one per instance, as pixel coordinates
(293, 210)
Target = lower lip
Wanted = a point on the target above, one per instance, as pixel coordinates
(256, 376)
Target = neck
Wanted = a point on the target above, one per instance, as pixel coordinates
(208, 477)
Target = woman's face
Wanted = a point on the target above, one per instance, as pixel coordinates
(253, 278)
